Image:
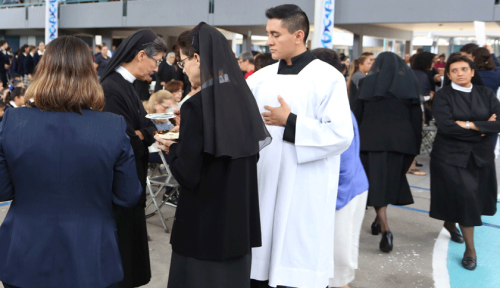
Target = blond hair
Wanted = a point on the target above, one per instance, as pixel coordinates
(158, 97)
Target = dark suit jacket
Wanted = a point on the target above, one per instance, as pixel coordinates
(20, 64)
(217, 217)
(63, 171)
(36, 59)
(455, 145)
(165, 73)
(29, 65)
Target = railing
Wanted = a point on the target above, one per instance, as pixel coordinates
(14, 4)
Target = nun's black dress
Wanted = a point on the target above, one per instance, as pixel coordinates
(389, 116)
(463, 177)
(217, 221)
(122, 99)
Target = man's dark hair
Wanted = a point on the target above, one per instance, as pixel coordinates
(469, 48)
(420, 50)
(98, 47)
(263, 60)
(292, 18)
(329, 56)
(2, 42)
(367, 54)
(255, 53)
(457, 58)
(423, 61)
(483, 59)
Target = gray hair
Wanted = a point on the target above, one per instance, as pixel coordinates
(170, 53)
(155, 47)
(247, 56)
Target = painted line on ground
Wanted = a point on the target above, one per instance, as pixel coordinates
(439, 260)
(421, 188)
(5, 203)
(427, 212)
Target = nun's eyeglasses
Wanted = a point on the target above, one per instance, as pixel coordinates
(181, 63)
(158, 62)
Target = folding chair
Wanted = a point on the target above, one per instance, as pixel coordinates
(428, 135)
(163, 181)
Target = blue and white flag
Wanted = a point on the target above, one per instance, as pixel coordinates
(51, 21)
(323, 24)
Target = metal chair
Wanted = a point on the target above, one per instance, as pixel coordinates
(428, 135)
(162, 181)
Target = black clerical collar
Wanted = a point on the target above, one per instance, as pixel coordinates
(298, 63)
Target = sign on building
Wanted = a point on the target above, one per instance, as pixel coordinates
(51, 20)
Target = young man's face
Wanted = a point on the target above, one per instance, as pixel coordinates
(281, 42)
(2, 110)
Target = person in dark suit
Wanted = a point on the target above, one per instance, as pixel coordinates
(217, 221)
(39, 53)
(65, 168)
(463, 176)
(166, 72)
(29, 65)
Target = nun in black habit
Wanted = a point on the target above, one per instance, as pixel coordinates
(389, 116)
(136, 58)
(463, 176)
(217, 220)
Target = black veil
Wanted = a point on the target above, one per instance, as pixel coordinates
(390, 77)
(232, 122)
(130, 46)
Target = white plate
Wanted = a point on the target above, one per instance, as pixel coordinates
(160, 116)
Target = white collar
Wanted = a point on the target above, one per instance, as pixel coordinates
(24, 54)
(13, 104)
(460, 88)
(32, 54)
(39, 52)
(126, 74)
(169, 63)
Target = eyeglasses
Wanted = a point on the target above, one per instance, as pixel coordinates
(181, 63)
(158, 62)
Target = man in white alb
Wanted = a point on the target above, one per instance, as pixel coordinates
(311, 125)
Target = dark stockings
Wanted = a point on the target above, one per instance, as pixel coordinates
(382, 218)
(468, 233)
(450, 226)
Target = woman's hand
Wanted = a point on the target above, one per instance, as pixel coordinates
(163, 144)
(493, 117)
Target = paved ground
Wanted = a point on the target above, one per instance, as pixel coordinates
(410, 264)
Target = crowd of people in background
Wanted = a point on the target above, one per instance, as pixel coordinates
(367, 150)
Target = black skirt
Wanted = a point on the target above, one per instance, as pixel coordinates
(187, 272)
(386, 173)
(462, 195)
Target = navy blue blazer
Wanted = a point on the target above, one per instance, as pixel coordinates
(63, 171)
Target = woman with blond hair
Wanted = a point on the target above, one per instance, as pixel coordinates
(79, 162)
(161, 101)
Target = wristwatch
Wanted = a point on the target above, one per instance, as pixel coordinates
(467, 124)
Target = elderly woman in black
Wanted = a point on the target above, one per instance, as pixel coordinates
(463, 179)
(217, 220)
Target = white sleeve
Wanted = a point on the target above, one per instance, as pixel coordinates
(331, 132)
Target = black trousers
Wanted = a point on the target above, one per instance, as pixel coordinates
(261, 284)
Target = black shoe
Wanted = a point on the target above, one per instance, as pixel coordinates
(469, 263)
(457, 237)
(376, 228)
(419, 164)
(386, 242)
